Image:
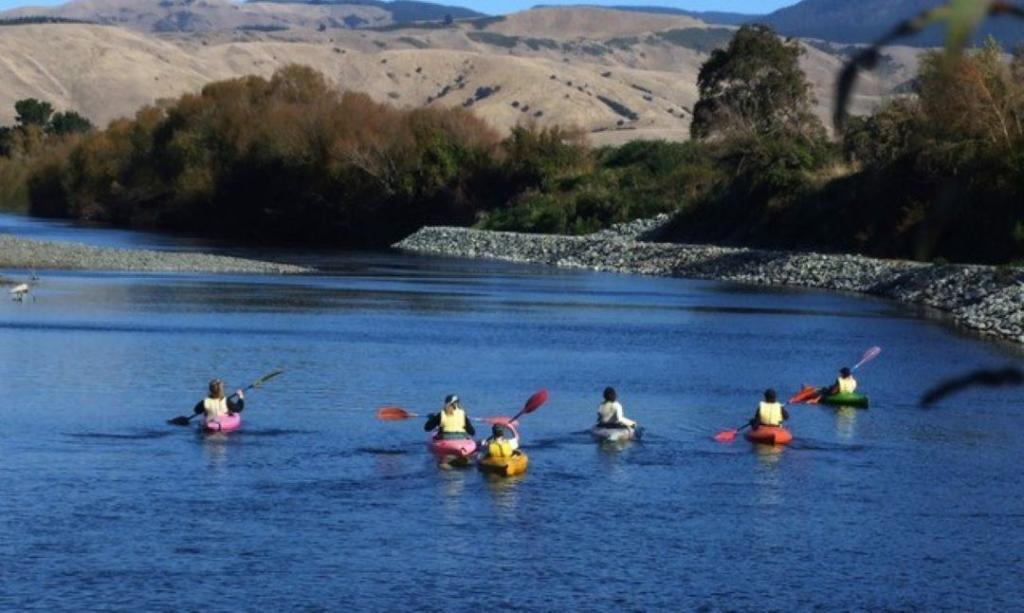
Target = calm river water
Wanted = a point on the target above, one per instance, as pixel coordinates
(317, 505)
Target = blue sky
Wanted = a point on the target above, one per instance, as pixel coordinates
(505, 6)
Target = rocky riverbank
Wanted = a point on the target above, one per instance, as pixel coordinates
(982, 298)
(24, 253)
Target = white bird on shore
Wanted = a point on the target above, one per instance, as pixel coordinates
(18, 292)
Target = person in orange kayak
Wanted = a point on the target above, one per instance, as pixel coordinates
(497, 446)
(770, 411)
(451, 421)
(845, 383)
(609, 413)
(216, 405)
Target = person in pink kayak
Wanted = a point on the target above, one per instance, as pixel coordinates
(215, 405)
(770, 411)
(451, 421)
(609, 413)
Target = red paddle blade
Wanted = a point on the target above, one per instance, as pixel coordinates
(393, 414)
(535, 401)
(726, 436)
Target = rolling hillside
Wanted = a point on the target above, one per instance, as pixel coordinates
(618, 75)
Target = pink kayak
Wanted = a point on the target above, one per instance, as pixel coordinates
(226, 423)
(459, 448)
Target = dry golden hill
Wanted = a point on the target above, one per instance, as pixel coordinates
(624, 81)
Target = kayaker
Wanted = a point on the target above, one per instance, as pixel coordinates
(216, 405)
(498, 446)
(845, 383)
(609, 414)
(451, 421)
(770, 411)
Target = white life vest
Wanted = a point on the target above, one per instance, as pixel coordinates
(610, 413)
(770, 414)
(215, 407)
(454, 423)
(847, 385)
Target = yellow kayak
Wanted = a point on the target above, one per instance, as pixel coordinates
(505, 467)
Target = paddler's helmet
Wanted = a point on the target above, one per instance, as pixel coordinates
(451, 400)
(844, 372)
(770, 395)
(498, 430)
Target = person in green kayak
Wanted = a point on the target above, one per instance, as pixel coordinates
(609, 413)
(845, 383)
(497, 446)
(451, 421)
(216, 405)
(770, 411)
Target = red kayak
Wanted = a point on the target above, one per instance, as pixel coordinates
(807, 395)
(770, 435)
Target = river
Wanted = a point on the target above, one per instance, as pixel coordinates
(315, 504)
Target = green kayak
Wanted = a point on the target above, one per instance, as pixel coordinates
(846, 400)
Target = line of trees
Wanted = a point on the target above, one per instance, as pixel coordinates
(938, 174)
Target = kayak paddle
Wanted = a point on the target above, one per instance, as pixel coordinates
(532, 404)
(727, 436)
(394, 414)
(183, 420)
(869, 355)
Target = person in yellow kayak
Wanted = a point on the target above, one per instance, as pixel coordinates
(497, 446)
(770, 411)
(845, 383)
(609, 413)
(216, 405)
(451, 421)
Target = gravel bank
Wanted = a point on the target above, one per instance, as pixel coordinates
(983, 298)
(18, 252)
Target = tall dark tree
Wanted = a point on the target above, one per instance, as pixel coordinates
(32, 112)
(755, 86)
(70, 122)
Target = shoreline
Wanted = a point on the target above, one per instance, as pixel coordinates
(24, 253)
(985, 299)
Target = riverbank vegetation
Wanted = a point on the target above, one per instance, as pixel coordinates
(290, 159)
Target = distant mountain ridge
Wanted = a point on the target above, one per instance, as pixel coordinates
(848, 21)
(402, 11)
(711, 17)
(864, 21)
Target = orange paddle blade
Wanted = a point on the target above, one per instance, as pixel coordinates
(394, 414)
(726, 436)
(806, 393)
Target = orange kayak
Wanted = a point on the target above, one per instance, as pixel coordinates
(770, 435)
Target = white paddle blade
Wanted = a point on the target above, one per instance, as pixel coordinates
(869, 355)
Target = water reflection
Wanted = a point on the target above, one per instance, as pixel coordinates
(504, 494)
(766, 475)
(215, 450)
(846, 418)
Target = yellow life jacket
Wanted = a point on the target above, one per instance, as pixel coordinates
(770, 414)
(215, 407)
(847, 385)
(499, 449)
(454, 423)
